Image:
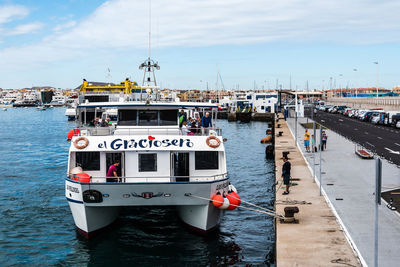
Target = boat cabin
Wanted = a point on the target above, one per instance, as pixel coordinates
(149, 144)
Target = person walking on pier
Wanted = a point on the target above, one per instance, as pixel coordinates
(324, 139)
(307, 140)
(286, 174)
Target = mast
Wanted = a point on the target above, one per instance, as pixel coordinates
(149, 65)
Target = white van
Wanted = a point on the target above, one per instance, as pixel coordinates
(388, 119)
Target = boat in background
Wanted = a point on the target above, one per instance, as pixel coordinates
(41, 108)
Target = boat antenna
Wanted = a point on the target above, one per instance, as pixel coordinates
(109, 76)
(149, 28)
(149, 65)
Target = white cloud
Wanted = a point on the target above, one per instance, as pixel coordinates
(64, 26)
(26, 28)
(11, 12)
(123, 24)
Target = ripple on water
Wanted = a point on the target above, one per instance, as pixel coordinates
(36, 226)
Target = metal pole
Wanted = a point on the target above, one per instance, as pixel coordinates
(320, 159)
(295, 127)
(313, 149)
(295, 120)
(378, 184)
(377, 80)
(356, 83)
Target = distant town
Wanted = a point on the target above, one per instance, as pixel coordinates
(40, 95)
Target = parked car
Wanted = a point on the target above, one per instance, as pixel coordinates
(346, 111)
(340, 109)
(367, 116)
(375, 120)
(376, 117)
(352, 113)
(398, 124)
(327, 107)
(360, 114)
(395, 120)
(332, 109)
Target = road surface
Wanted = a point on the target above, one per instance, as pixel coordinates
(382, 140)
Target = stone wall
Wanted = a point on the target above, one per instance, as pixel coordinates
(386, 103)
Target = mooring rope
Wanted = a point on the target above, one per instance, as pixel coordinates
(292, 202)
(254, 205)
(274, 214)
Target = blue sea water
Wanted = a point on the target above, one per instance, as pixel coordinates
(37, 228)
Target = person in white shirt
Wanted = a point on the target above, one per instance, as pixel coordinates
(184, 128)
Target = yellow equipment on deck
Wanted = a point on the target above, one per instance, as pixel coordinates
(127, 87)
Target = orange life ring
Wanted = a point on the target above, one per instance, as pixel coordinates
(218, 142)
(85, 144)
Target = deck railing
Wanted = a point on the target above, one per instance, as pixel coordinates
(112, 130)
(154, 179)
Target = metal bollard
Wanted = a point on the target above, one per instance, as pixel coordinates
(289, 214)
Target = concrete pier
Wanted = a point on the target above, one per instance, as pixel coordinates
(317, 239)
(349, 183)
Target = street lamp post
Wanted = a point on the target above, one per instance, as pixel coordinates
(340, 84)
(355, 84)
(377, 78)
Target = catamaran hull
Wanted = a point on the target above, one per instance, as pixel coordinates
(202, 219)
(191, 200)
(90, 220)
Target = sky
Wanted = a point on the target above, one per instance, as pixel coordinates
(253, 44)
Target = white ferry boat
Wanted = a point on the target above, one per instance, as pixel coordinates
(159, 165)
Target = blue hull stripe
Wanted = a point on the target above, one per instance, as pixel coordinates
(75, 201)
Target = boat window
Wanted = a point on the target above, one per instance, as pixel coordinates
(90, 117)
(89, 161)
(148, 162)
(169, 117)
(206, 160)
(97, 98)
(127, 117)
(148, 117)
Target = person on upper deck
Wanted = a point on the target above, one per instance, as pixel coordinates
(194, 126)
(206, 121)
(182, 117)
(184, 129)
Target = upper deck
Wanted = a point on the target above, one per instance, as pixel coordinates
(150, 105)
(146, 118)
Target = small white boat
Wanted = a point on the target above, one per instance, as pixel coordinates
(4, 109)
(41, 108)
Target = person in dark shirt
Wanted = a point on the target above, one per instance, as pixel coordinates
(205, 123)
(112, 172)
(286, 174)
(182, 117)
